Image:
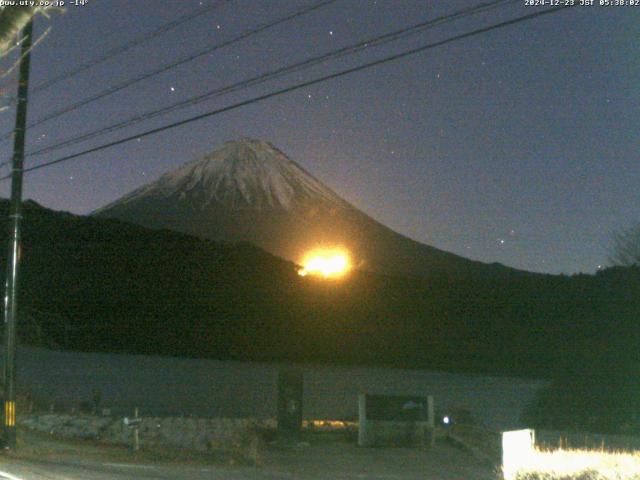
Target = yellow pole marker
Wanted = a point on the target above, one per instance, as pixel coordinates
(10, 413)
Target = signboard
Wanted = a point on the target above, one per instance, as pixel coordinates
(132, 422)
(395, 420)
(395, 408)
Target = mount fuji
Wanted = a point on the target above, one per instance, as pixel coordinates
(250, 191)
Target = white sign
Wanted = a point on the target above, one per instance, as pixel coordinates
(517, 449)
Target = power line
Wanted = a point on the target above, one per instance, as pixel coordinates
(128, 46)
(122, 49)
(132, 81)
(372, 42)
(299, 86)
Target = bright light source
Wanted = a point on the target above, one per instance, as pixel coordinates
(574, 464)
(446, 420)
(325, 263)
(518, 448)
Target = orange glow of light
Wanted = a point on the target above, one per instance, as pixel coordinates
(325, 263)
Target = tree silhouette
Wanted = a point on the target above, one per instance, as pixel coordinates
(625, 250)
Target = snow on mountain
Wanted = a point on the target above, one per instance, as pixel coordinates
(250, 191)
(243, 174)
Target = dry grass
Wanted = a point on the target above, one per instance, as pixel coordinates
(579, 465)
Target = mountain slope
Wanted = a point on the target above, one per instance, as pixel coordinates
(250, 191)
(104, 285)
(96, 284)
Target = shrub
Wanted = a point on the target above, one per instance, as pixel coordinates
(604, 403)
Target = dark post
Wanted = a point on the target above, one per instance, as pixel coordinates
(290, 391)
(13, 258)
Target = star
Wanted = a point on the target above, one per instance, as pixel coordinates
(330, 32)
(173, 89)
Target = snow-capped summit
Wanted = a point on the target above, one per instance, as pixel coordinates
(243, 174)
(248, 190)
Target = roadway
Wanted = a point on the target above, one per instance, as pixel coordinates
(317, 462)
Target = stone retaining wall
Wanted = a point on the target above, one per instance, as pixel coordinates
(236, 436)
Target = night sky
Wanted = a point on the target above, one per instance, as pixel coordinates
(517, 146)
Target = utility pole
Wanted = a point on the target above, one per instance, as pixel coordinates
(13, 257)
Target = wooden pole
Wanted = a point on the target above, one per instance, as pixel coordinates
(13, 258)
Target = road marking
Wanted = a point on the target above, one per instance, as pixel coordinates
(8, 476)
(30, 472)
(130, 465)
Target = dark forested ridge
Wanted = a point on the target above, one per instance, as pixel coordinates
(103, 285)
